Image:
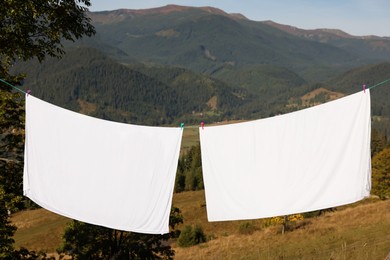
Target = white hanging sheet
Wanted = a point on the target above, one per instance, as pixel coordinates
(111, 174)
(303, 161)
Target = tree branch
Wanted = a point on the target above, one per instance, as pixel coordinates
(10, 160)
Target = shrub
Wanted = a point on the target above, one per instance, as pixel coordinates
(381, 174)
(246, 228)
(191, 236)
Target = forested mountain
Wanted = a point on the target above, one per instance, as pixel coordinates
(88, 81)
(208, 40)
(370, 75)
(172, 64)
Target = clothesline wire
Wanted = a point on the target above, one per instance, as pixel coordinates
(24, 92)
(381, 83)
(9, 84)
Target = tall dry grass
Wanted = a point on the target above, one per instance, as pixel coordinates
(358, 232)
(38, 230)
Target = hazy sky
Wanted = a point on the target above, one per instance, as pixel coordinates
(356, 17)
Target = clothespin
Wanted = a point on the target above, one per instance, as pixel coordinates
(28, 91)
(364, 88)
(181, 126)
(202, 125)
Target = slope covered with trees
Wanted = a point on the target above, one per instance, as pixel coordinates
(134, 94)
(207, 40)
(203, 40)
(353, 80)
(88, 81)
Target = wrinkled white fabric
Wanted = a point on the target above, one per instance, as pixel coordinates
(308, 160)
(105, 173)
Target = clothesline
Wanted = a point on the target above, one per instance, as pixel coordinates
(182, 124)
(381, 83)
(27, 92)
(9, 84)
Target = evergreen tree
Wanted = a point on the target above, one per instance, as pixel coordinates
(378, 142)
(191, 236)
(189, 175)
(381, 174)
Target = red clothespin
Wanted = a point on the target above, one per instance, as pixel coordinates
(364, 88)
(202, 125)
(28, 91)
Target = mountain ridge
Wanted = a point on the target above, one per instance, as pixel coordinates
(119, 14)
(114, 14)
(193, 63)
(206, 39)
(310, 32)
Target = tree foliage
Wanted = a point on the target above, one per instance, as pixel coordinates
(189, 173)
(381, 174)
(85, 241)
(28, 29)
(11, 146)
(378, 142)
(191, 236)
(6, 229)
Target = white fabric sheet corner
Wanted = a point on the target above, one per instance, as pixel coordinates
(312, 159)
(105, 173)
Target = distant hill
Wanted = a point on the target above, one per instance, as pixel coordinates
(165, 65)
(260, 79)
(369, 47)
(206, 39)
(88, 81)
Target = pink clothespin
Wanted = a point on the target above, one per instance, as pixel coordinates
(28, 91)
(202, 125)
(364, 88)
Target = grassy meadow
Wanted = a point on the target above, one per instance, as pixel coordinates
(358, 231)
(191, 134)
(190, 138)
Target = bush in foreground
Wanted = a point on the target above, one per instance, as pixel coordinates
(191, 236)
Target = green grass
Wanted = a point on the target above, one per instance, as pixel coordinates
(190, 138)
(191, 135)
